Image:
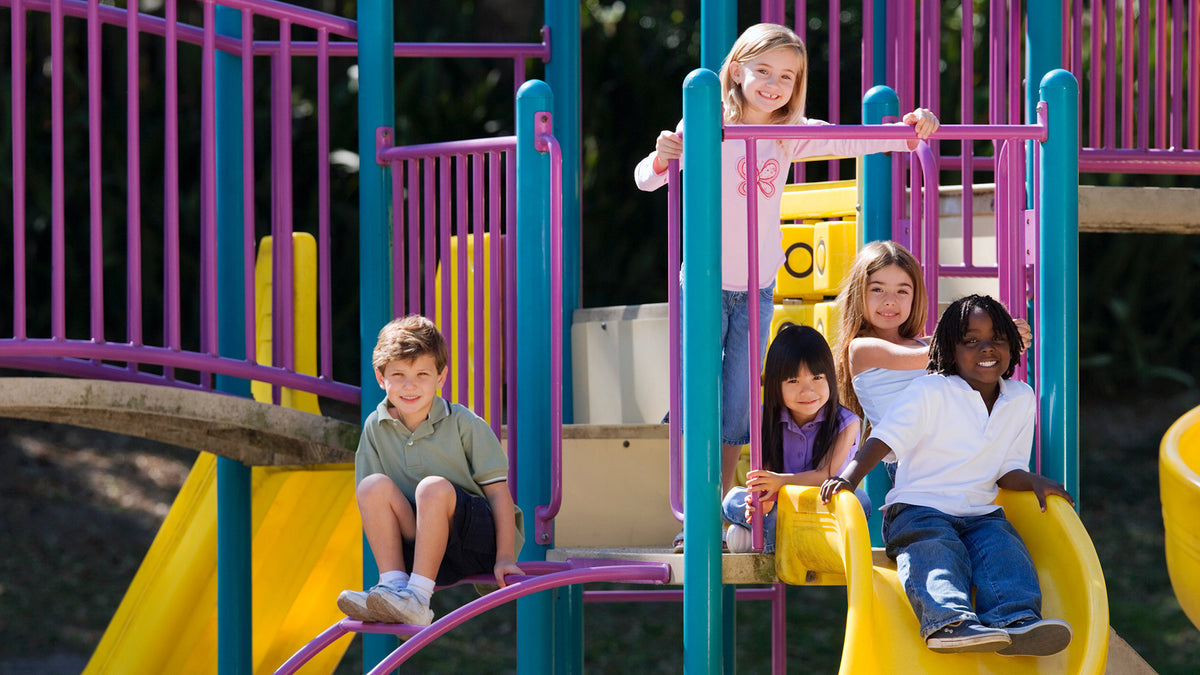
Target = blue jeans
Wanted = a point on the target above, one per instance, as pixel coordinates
(939, 558)
(735, 359)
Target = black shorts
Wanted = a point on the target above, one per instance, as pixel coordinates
(471, 547)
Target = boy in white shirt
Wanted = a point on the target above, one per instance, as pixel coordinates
(959, 435)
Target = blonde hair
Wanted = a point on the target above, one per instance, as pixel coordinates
(755, 41)
(852, 305)
(407, 338)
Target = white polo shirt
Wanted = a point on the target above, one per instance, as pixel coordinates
(950, 451)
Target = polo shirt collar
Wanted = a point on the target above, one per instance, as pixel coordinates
(785, 416)
(962, 385)
(436, 412)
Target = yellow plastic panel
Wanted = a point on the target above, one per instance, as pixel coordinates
(304, 318)
(825, 319)
(819, 201)
(799, 313)
(1179, 484)
(795, 277)
(478, 396)
(834, 248)
(881, 631)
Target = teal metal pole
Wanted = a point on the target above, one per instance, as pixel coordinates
(563, 76)
(703, 640)
(535, 613)
(1058, 277)
(718, 30)
(376, 108)
(880, 102)
(234, 626)
(1043, 53)
(568, 646)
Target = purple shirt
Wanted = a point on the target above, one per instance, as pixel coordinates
(798, 440)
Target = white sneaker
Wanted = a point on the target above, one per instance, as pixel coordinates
(354, 604)
(392, 605)
(739, 539)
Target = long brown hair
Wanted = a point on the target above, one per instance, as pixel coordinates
(796, 346)
(755, 41)
(852, 305)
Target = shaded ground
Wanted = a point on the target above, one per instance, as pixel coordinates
(80, 509)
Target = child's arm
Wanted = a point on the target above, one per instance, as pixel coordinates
(506, 529)
(1024, 481)
(768, 483)
(871, 453)
(872, 352)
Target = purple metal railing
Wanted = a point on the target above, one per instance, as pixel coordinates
(188, 292)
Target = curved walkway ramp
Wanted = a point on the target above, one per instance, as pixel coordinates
(256, 434)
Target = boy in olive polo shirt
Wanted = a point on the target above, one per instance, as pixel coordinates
(432, 484)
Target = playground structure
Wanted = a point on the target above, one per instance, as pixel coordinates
(500, 187)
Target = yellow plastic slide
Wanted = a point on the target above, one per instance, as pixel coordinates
(1179, 484)
(816, 544)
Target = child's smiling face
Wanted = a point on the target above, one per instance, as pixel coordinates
(767, 82)
(982, 355)
(804, 394)
(411, 386)
(889, 298)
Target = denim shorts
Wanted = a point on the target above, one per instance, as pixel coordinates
(735, 359)
(471, 546)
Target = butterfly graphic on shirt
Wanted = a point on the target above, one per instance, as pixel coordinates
(767, 173)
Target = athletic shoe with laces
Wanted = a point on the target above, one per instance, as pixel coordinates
(354, 604)
(391, 605)
(967, 636)
(1037, 637)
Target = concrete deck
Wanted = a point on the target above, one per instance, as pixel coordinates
(257, 434)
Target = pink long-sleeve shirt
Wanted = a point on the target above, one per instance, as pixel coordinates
(774, 160)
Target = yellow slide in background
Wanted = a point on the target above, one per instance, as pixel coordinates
(306, 542)
(818, 544)
(1179, 485)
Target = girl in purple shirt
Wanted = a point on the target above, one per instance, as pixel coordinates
(806, 435)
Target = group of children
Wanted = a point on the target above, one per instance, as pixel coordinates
(431, 475)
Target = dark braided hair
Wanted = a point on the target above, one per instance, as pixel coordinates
(953, 326)
(796, 346)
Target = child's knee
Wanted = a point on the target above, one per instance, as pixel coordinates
(375, 487)
(435, 490)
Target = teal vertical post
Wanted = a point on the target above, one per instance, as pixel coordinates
(234, 611)
(703, 638)
(1043, 53)
(1058, 276)
(880, 102)
(718, 30)
(562, 74)
(376, 108)
(568, 645)
(535, 615)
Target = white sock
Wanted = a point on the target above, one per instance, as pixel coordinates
(395, 578)
(421, 587)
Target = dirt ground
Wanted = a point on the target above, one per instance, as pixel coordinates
(80, 508)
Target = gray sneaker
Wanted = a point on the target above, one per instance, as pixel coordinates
(354, 604)
(392, 605)
(1037, 637)
(967, 636)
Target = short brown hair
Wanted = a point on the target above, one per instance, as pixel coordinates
(407, 338)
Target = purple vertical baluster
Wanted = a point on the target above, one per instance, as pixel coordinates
(1013, 45)
(1004, 219)
(429, 169)
(248, 220)
(967, 97)
(58, 313)
(171, 320)
(1176, 133)
(1160, 74)
(413, 169)
(18, 167)
(1097, 76)
(1145, 91)
(399, 251)
(285, 293)
(1110, 74)
(208, 191)
(1194, 76)
(996, 23)
(133, 185)
(444, 312)
(799, 169)
(462, 332)
(324, 264)
(835, 66)
(1127, 65)
(495, 322)
(95, 173)
(755, 361)
(868, 46)
(1076, 43)
(772, 11)
(510, 302)
(482, 368)
(674, 334)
